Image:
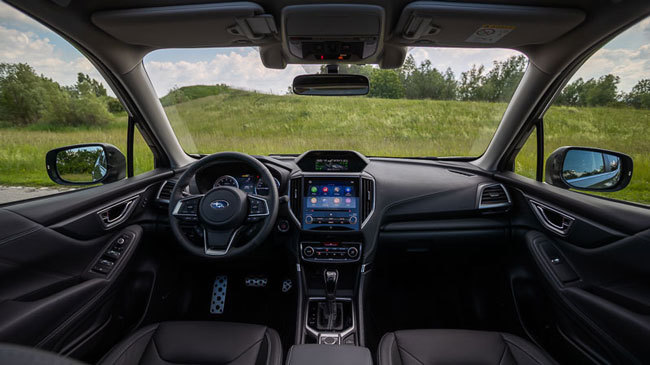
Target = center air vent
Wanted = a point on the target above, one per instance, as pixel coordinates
(493, 196)
(367, 197)
(295, 197)
(165, 191)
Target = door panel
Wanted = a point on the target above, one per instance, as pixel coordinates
(61, 265)
(597, 272)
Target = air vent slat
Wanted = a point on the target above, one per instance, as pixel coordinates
(295, 198)
(166, 191)
(493, 196)
(367, 197)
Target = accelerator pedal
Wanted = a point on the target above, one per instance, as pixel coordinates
(219, 294)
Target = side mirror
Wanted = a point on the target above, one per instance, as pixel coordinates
(590, 169)
(85, 164)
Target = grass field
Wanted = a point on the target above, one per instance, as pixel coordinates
(263, 124)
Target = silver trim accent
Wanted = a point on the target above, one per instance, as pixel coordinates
(538, 209)
(374, 198)
(130, 204)
(210, 252)
(479, 196)
(344, 333)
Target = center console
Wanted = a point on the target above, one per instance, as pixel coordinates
(330, 200)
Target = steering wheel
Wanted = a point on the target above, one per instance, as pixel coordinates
(224, 211)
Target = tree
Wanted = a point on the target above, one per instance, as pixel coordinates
(386, 84)
(22, 95)
(639, 96)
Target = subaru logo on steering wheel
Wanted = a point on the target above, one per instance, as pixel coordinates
(219, 204)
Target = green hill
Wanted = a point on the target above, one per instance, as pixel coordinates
(208, 119)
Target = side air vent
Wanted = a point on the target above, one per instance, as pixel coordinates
(295, 197)
(493, 196)
(367, 197)
(165, 191)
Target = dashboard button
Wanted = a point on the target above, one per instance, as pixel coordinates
(309, 219)
(353, 252)
(352, 220)
(308, 251)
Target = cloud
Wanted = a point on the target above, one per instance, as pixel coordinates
(460, 59)
(44, 56)
(241, 68)
(631, 65)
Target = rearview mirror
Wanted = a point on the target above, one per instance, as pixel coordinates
(85, 164)
(331, 85)
(588, 169)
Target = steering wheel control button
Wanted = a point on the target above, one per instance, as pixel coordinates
(308, 251)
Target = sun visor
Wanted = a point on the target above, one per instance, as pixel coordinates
(482, 25)
(332, 32)
(204, 25)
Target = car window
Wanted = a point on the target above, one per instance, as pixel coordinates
(606, 104)
(50, 96)
(442, 102)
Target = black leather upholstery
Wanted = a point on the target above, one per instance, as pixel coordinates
(198, 343)
(15, 354)
(328, 355)
(430, 347)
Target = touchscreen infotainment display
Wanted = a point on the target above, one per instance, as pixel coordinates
(331, 204)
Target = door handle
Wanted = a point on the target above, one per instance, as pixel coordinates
(117, 213)
(552, 219)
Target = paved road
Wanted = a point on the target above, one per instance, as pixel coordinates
(15, 193)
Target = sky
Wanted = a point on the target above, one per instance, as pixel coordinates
(24, 40)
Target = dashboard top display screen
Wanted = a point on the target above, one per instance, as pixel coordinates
(331, 164)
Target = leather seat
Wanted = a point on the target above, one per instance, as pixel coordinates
(198, 343)
(430, 347)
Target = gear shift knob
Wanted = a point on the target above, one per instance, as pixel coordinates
(331, 280)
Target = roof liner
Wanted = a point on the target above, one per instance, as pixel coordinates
(569, 27)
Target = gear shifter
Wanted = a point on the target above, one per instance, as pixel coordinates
(330, 310)
(331, 280)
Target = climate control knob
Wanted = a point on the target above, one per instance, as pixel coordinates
(352, 220)
(309, 219)
(353, 252)
(308, 251)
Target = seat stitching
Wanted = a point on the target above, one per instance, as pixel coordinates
(402, 348)
(227, 362)
(520, 348)
(133, 343)
(245, 351)
(503, 355)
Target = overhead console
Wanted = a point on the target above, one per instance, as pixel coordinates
(332, 32)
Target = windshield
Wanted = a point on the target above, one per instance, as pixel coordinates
(442, 102)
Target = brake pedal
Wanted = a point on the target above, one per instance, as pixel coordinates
(219, 294)
(256, 282)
